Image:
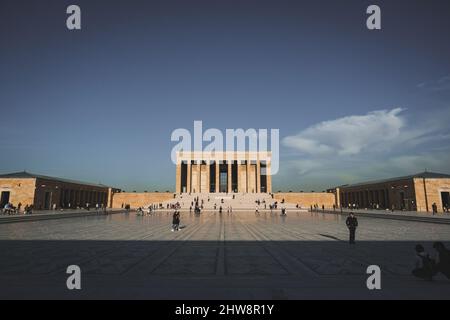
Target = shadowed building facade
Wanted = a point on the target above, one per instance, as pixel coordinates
(224, 172)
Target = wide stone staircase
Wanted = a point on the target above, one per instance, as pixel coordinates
(237, 201)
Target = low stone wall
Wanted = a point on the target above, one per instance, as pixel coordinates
(50, 215)
(307, 199)
(139, 199)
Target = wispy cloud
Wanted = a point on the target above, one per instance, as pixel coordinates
(441, 84)
(349, 135)
(378, 144)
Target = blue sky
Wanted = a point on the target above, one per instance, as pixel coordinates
(100, 104)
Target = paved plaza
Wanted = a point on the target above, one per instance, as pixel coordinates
(216, 256)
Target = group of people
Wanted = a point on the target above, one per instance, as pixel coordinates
(229, 208)
(316, 207)
(197, 205)
(10, 209)
(175, 205)
(148, 210)
(151, 207)
(427, 267)
(445, 208)
(273, 206)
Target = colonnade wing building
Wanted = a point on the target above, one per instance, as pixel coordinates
(224, 172)
(44, 192)
(417, 192)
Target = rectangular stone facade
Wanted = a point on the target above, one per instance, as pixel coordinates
(20, 190)
(430, 192)
(225, 172)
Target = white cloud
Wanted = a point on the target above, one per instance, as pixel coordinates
(357, 148)
(350, 135)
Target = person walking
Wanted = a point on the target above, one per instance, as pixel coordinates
(352, 224)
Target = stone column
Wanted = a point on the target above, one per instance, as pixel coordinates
(238, 176)
(199, 177)
(208, 176)
(337, 201)
(178, 179)
(386, 199)
(217, 175)
(258, 176)
(110, 198)
(248, 177)
(269, 177)
(229, 176)
(188, 180)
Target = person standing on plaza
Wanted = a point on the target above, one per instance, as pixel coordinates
(352, 224)
(434, 207)
(175, 221)
(178, 220)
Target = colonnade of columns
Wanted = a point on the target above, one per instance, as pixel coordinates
(243, 176)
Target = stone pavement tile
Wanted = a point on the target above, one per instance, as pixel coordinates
(251, 260)
(190, 260)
